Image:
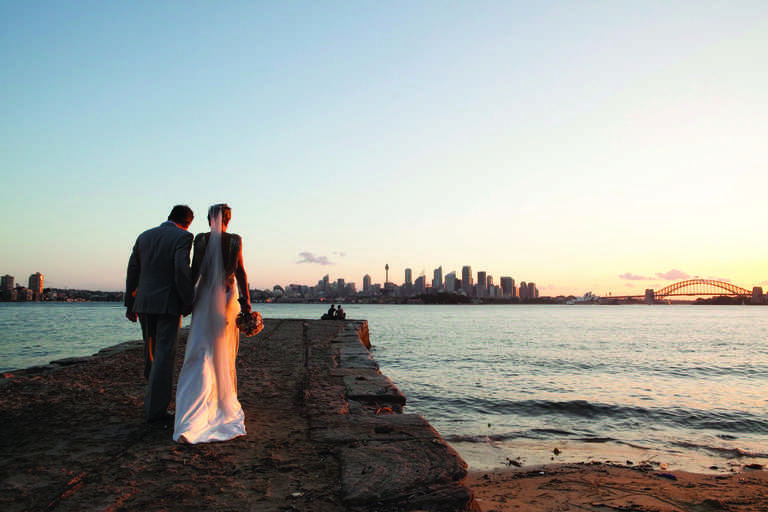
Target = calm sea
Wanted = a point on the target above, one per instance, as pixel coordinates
(682, 386)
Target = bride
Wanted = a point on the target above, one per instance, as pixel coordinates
(207, 408)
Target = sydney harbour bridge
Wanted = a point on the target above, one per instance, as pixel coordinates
(697, 288)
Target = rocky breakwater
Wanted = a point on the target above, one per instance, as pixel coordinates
(326, 432)
(389, 460)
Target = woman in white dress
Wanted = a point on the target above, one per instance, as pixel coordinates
(207, 408)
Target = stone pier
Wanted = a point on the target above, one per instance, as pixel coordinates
(326, 429)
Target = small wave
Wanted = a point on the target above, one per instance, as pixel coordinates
(728, 422)
(731, 453)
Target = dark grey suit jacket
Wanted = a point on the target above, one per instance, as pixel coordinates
(158, 272)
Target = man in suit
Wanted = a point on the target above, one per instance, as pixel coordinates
(159, 290)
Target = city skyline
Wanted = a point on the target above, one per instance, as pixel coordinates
(506, 287)
(588, 145)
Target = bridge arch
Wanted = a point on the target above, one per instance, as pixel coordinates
(701, 287)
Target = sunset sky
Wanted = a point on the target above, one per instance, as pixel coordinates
(581, 145)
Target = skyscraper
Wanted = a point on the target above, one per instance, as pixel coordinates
(421, 284)
(408, 285)
(437, 279)
(466, 279)
(482, 284)
(507, 286)
(366, 283)
(36, 285)
(7, 282)
(450, 281)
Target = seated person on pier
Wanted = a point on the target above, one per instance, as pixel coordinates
(331, 314)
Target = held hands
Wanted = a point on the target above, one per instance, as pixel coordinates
(130, 315)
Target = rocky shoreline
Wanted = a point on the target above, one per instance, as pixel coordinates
(326, 432)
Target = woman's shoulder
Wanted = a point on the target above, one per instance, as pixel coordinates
(233, 237)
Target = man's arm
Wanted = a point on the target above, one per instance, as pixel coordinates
(182, 273)
(132, 283)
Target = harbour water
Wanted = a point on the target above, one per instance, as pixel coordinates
(682, 387)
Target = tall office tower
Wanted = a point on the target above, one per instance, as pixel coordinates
(366, 283)
(523, 290)
(6, 282)
(340, 286)
(482, 284)
(450, 281)
(420, 286)
(437, 279)
(326, 284)
(36, 285)
(408, 285)
(533, 293)
(507, 286)
(466, 279)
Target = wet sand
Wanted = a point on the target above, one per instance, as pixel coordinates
(604, 487)
(74, 438)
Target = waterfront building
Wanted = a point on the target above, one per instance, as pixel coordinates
(450, 281)
(340, 286)
(523, 290)
(326, 283)
(408, 284)
(36, 285)
(420, 286)
(507, 286)
(482, 283)
(437, 280)
(6, 282)
(366, 283)
(466, 279)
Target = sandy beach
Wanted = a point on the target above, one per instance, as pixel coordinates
(604, 487)
(73, 437)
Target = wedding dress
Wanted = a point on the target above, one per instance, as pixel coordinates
(207, 408)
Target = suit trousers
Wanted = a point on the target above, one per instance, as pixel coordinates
(160, 333)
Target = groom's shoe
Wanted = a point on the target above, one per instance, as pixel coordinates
(166, 417)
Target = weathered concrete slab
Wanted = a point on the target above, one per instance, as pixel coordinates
(386, 427)
(373, 388)
(353, 354)
(325, 433)
(388, 472)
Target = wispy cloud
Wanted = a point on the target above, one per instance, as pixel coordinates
(673, 275)
(308, 257)
(629, 276)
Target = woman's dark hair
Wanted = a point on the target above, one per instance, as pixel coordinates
(226, 213)
(182, 215)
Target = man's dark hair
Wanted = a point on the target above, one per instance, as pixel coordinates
(181, 215)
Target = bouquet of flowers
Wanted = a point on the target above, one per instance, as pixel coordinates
(249, 324)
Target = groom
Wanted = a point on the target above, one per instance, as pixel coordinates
(158, 290)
